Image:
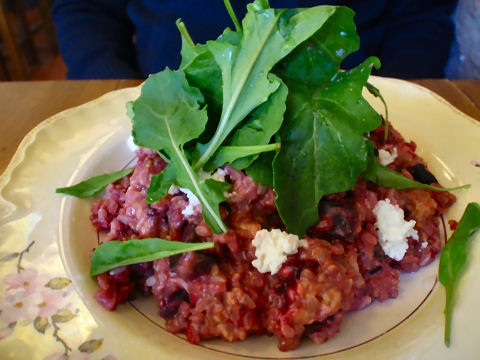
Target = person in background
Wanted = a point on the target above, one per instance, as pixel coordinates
(464, 62)
(133, 38)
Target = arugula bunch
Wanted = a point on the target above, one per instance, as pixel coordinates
(274, 84)
(232, 96)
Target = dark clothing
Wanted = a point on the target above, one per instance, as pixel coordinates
(133, 38)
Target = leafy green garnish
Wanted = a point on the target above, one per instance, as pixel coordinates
(454, 257)
(93, 185)
(323, 146)
(165, 117)
(323, 135)
(281, 65)
(317, 59)
(268, 36)
(160, 184)
(233, 154)
(112, 254)
(256, 130)
(203, 72)
(261, 169)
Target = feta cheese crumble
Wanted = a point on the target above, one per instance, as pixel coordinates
(194, 204)
(386, 157)
(218, 175)
(272, 248)
(393, 230)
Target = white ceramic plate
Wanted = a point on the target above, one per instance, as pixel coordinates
(47, 309)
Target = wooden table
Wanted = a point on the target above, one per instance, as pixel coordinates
(25, 104)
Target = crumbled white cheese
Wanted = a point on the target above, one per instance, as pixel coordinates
(393, 230)
(173, 190)
(194, 204)
(272, 248)
(424, 244)
(387, 158)
(218, 175)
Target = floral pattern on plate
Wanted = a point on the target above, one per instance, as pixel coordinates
(36, 299)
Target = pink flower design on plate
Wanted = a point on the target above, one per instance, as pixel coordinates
(49, 304)
(55, 356)
(5, 332)
(28, 279)
(19, 306)
(78, 355)
(75, 355)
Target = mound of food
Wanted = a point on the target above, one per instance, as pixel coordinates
(353, 256)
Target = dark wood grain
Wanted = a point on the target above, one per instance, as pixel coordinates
(463, 94)
(471, 90)
(25, 104)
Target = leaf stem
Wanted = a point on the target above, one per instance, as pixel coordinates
(67, 349)
(238, 27)
(183, 30)
(376, 92)
(448, 317)
(252, 149)
(20, 257)
(192, 177)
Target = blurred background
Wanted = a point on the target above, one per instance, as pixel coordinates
(29, 50)
(28, 45)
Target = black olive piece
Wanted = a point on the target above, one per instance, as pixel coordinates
(421, 174)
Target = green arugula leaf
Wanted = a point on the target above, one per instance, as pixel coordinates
(268, 36)
(166, 106)
(323, 146)
(93, 185)
(454, 257)
(260, 125)
(112, 254)
(383, 176)
(317, 59)
(261, 170)
(202, 72)
(215, 190)
(160, 184)
(165, 117)
(231, 154)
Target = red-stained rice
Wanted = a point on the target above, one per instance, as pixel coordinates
(218, 293)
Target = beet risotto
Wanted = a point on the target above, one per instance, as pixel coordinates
(341, 265)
